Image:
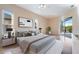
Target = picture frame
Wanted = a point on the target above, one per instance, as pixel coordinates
(25, 22)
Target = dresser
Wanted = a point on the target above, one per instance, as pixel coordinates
(7, 41)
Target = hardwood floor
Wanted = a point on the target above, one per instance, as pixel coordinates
(12, 49)
(67, 46)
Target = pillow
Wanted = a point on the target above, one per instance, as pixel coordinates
(40, 34)
(19, 34)
(23, 34)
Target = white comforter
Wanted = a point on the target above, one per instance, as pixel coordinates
(24, 41)
(40, 46)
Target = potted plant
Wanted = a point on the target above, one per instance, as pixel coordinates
(48, 29)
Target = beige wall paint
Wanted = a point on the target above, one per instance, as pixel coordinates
(54, 24)
(75, 24)
(20, 12)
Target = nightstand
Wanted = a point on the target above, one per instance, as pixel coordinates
(7, 41)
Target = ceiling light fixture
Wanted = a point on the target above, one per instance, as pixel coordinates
(43, 6)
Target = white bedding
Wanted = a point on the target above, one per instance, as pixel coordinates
(24, 41)
(40, 47)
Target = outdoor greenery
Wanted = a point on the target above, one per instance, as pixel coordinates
(68, 28)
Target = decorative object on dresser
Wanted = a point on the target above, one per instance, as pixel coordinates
(9, 32)
(40, 30)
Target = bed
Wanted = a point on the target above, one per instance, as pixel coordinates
(38, 44)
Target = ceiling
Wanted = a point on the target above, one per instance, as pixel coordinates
(49, 11)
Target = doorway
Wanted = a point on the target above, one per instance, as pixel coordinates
(66, 27)
(66, 30)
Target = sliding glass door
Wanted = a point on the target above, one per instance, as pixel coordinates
(66, 27)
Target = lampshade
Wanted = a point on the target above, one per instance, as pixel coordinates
(9, 29)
